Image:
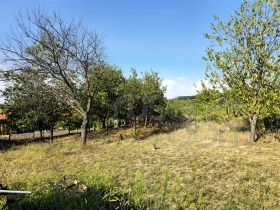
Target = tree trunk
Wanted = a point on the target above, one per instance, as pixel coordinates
(146, 121)
(253, 125)
(104, 123)
(134, 125)
(51, 135)
(41, 134)
(89, 125)
(84, 129)
(9, 134)
(227, 112)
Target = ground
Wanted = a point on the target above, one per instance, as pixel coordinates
(203, 166)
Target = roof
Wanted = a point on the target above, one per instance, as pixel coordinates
(2, 116)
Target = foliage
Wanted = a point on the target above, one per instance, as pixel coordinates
(133, 97)
(70, 119)
(65, 52)
(243, 58)
(153, 99)
(30, 104)
(3, 202)
(142, 99)
(107, 85)
(208, 105)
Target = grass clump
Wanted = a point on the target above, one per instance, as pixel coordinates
(3, 202)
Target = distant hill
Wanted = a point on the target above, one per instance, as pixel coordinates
(185, 98)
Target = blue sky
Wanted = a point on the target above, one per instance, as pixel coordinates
(163, 35)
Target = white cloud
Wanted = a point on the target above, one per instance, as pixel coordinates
(180, 87)
(168, 83)
(177, 88)
(181, 78)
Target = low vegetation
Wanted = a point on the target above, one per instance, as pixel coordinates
(189, 168)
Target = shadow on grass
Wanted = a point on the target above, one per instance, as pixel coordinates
(9, 144)
(114, 134)
(167, 129)
(58, 198)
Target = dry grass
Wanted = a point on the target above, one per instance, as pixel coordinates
(204, 166)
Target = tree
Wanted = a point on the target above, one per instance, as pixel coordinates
(153, 95)
(107, 84)
(133, 97)
(143, 98)
(66, 52)
(244, 58)
(70, 119)
(31, 105)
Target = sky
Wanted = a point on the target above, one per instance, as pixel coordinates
(163, 35)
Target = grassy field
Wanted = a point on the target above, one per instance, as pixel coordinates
(206, 166)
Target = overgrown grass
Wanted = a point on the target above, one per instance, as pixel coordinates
(202, 167)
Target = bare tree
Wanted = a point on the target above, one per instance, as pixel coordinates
(67, 52)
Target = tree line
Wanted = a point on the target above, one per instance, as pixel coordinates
(57, 73)
(138, 99)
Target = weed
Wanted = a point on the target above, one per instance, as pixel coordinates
(136, 134)
(3, 201)
(164, 188)
(138, 188)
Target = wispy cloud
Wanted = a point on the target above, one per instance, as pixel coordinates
(169, 83)
(181, 78)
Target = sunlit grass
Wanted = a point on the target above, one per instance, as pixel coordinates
(206, 168)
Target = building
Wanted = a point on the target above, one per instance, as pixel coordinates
(3, 119)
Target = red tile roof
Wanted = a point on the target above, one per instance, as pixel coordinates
(2, 116)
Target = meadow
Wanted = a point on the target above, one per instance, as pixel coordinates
(203, 166)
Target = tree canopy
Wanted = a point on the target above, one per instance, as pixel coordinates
(31, 105)
(243, 58)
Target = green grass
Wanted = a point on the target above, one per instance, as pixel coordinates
(201, 172)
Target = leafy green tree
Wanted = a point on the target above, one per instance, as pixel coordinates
(66, 52)
(31, 105)
(153, 95)
(142, 99)
(244, 58)
(133, 97)
(107, 84)
(70, 119)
